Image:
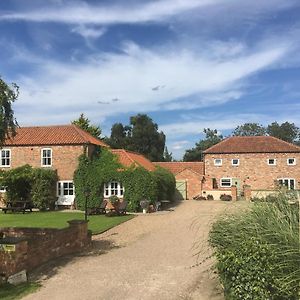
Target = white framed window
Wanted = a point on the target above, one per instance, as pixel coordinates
(46, 157)
(113, 188)
(5, 158)
(271, 161)
(289, 183)
(218, 162)
(235, 162)
(291, 161)
(65, 188)
(226, 182)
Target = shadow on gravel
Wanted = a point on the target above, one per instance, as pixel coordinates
(51, 268)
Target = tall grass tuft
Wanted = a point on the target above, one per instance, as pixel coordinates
(258, 251)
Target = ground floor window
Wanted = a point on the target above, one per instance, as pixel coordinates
(289, 183)
(113, 188)
(65, 188)
(226, 182)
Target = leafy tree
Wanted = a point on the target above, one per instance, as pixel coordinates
(211, 138)
(167, 155)
(85, 124)
(249, 129)
(8, 95)
(288, 132)
(141, 135)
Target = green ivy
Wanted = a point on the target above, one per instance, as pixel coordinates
(139, 184)
(166, 184)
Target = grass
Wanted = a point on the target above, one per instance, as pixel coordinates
(97, 224)
(11, 292)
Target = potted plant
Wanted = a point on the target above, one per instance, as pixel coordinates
(144, 205)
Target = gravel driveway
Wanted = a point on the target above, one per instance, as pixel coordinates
(148, 257)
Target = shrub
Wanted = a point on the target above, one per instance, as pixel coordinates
(114, 200)
(210, 197)
(258, 251)
(166, 184)
(43, 189)
(225, 197)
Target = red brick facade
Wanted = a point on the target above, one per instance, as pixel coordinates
(253, 170)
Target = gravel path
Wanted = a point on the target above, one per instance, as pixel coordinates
(148, 257)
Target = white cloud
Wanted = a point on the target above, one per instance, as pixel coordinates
(179, 145)
(131, 77)
(88, 32)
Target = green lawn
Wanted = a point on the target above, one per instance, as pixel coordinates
(97, 224)
(11, 292)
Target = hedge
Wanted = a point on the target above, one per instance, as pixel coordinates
(27, 183)
(258, 251)
(166, 183)
(139, 183)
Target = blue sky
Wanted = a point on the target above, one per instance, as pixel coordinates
(189, 64)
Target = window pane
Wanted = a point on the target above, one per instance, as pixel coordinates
(292, 184)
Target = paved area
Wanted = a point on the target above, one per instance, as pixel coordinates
(148, 257)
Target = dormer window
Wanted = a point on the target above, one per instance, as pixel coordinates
(218, 162)
(235, 162)
(46, 157)
(291, 161)
(272, 162)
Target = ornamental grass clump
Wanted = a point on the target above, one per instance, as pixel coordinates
(257, 251)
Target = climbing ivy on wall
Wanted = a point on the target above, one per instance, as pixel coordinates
(139, 184)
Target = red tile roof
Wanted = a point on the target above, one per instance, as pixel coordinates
(253, 144)
(177, 167)
(128, 159)
(52, 135)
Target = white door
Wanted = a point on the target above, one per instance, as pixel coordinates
(65, 192)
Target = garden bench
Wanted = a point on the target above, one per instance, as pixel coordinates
(18, 206)
(101, 210)
(164, 203)
(122, 209)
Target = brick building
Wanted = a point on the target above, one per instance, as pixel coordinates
(188, 175)
(55, 147)
(261, 162)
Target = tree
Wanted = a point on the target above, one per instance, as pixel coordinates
(167, 155)
(8, 123)
(141, 136)
(249, 129)
(288, 132)
(85, 124)
(211, 138)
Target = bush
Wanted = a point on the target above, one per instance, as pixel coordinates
(166, 184)
(258, 251)
(35, 184)
(43, 189)
(114, 200)
(210, 197)
(225, 197)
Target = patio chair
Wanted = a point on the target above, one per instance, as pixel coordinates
(101, 210)
(122, 209)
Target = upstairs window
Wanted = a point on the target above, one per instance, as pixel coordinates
(5, 158)
(291, 161)
(218, 162)
(46, 157)
(272, 162)
(113, 188)
(226, 182)
(235, 162)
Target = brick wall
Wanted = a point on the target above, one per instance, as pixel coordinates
(64, 158)
(39, 245)
(193, 182)
(253, 169)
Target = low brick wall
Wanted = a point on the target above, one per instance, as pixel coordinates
(32, 247)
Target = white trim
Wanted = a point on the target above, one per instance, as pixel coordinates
(63, 199)
(9, 158)
(42, 157)
(226, 178)
(238, 162)
(268, 161)
(118, 187)
(221, 162)
(2, 189)
(293, 164)
(289, 182)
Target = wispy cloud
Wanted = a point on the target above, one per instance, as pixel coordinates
(88, 32)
